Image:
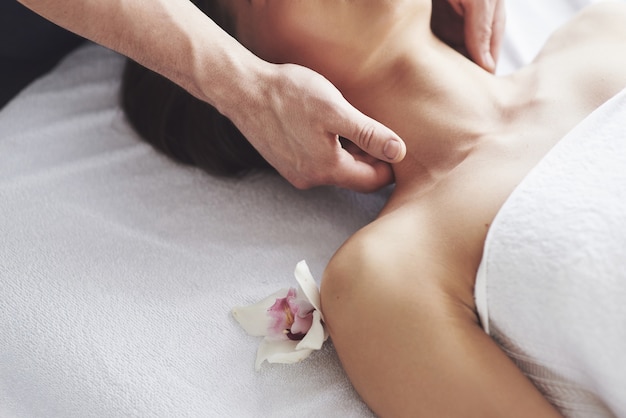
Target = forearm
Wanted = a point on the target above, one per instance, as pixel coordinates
(298, 114)
(171, 37)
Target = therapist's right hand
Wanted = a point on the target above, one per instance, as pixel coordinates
(295, 118)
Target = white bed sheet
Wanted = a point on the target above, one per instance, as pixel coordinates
(118, 267)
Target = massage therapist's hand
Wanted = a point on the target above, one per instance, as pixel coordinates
(292, 115)
(473, 27)
(295, 118)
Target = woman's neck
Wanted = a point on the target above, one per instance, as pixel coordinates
(439, 102)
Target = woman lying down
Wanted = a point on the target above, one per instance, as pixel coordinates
(398, 296)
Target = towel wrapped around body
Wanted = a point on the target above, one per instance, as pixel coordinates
(551, 288)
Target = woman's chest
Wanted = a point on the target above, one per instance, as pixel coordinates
(461, 207)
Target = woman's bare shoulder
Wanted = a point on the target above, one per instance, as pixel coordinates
(605, 17)
(372, 253)
(368, 252)
(604, 21)
(587, 52)
(398, 251)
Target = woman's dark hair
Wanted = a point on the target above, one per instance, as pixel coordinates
(181, 126)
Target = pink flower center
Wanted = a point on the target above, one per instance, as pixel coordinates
(292, 316)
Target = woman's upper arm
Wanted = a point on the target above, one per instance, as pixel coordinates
(411, 348)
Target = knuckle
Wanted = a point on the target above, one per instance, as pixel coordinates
(484, 37)
(365, 136)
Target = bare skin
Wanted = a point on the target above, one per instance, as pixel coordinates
(177, 40)
(299, 138)
(398, 295)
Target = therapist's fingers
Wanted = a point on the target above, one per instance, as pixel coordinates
(484, 28)
(361, 172)
(369, 135)
(499, 25)
(363, 163)
(297, 127)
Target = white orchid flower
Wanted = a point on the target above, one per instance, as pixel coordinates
(290, 321)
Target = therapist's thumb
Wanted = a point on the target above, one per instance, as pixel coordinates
(372, 137)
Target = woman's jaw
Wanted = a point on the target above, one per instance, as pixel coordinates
(336, 38)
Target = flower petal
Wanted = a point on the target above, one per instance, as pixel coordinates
(302, 324)
(254, 319)
(307, 284)
(279, 352)
(316, 336)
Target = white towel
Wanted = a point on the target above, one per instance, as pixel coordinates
(551, 288)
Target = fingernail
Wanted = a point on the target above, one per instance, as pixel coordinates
(392, 149)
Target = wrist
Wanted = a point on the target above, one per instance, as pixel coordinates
(235, 83)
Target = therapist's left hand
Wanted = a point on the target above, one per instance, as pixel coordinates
(473, 27)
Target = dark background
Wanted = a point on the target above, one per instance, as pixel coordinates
(30, 46)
